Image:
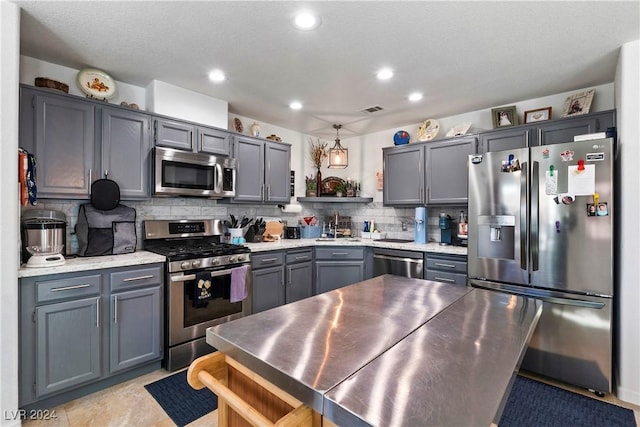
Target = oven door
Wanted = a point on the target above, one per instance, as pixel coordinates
(188, 320)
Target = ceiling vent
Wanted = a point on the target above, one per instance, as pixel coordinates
(373, 109)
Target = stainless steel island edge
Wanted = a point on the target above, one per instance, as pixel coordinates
(320, 349)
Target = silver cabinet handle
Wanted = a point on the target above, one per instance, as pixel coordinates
(444, 279)
(289, 275)
(339, 253)
(269, 260)
(445, 265)
(115, 309)
(106, 173)
(133, 279)
(303, 257)
(69, 288)
(89, 184)
(97, 312)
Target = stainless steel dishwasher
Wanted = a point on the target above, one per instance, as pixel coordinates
(398, 262)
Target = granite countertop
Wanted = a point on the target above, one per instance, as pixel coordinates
(94, 263)
(411, 246)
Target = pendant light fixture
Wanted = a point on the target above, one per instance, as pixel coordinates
(338, 155)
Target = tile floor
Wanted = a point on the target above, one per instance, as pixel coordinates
(129, 404)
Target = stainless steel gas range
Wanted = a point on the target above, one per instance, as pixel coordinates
(197, 262)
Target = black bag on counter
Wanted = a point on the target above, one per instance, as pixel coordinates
(106, 232)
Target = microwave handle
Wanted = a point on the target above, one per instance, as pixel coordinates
(217, 179)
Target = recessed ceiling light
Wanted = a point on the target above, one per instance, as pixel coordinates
(216, 76)
(416, 96)
(295, 105)
(385, 74)
(306, 21)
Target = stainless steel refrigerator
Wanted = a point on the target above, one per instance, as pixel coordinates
(541, 224)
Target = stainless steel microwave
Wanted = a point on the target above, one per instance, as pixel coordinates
(183, 173)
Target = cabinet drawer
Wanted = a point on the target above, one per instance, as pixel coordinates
(72, 287)
(446, 277)
(268, 259)
(339, 253)
(300, 256)
(135, 278)
(444, 264)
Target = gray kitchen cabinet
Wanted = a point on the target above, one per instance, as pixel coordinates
(546, 133)
(403, 175)
(446, 268)
(563, 130)
(68, 348)
(299, 274)
(338, 266)
(263, 171)
(446, 170)
(76, 338)
(173, 134)
(59, 131)
(267, 274)
(135, 317)
(505, 139)
(125, 151)
(190, 136)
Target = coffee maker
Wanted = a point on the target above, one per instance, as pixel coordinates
(448, 229)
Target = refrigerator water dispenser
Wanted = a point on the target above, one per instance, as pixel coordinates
(496, 236)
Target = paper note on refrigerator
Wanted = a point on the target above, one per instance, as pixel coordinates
(551, 183)
(582, 183)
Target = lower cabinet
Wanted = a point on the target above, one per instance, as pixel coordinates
(299, 275)
(78, 329)
(338, 266)
(446, 268)
(267, 280)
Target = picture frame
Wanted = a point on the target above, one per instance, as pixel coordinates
(539, 115)
(578, 103)
(504, 116)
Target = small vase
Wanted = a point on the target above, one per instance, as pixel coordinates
(255, 129)
(318, 183)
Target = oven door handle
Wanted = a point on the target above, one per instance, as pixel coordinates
(185, 277)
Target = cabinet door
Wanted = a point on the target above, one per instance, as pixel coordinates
(332, 275)
(505, 139)
(125, 151)
(64, 146)
(447, 170)
(169, 133)
(268, 288)
(299, 281)
(565, 129)
(67, 345)
(277, 175)
(403, 175)
(213, 141)
(249, 154)
(135, 323)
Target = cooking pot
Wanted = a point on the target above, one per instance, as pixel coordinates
(43, 233)
(292, 232)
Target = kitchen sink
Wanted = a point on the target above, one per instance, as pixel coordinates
(394, 240)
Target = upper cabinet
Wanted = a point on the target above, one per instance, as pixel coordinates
(59, 131)
(125, 151)
(546, 133)
(263, 171)
(77, 141)
(188, 136)
(427, 173)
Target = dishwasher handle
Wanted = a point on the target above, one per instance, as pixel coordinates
(403, 259)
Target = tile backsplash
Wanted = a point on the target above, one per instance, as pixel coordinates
(387, 219)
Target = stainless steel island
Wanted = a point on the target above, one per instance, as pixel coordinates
(389, 351)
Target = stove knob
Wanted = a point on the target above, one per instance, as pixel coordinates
(185, 265)
(215, 261)
(232, 259)
(196, 264)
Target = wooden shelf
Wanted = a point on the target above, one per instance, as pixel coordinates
(333, 199)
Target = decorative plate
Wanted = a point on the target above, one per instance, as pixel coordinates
(428, 130)
(237, 124)
(96, 83)
(459, 130)
(329, 185)
(401, 137)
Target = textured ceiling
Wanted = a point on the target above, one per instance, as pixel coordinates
(463, 56)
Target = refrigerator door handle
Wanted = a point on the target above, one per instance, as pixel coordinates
(537, 294)
(535, 223)
(523, 216)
